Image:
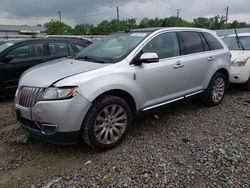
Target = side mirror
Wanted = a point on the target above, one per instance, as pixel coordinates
(149, 58)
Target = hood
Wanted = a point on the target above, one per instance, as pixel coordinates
(45, 74)
(239, 53)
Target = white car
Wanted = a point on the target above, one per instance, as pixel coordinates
(240, 51)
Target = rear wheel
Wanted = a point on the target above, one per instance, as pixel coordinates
(214, 94)
(106, 123)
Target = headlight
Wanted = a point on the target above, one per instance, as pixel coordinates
(53, 93)
(239, 62)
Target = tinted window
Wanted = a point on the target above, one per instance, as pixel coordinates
(191, 42)
(58, 49)
(212, 41)
(165, 45)
(205, 44)
(27, 51)
(78, 47)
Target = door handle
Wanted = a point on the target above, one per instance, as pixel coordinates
(211, 58)
(178, 65)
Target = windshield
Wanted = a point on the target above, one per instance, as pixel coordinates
(112, 48)
(5, 45)
(233, 44)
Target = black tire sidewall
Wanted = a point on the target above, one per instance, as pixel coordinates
(88, 125)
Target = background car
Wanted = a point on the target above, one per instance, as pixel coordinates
(16, 56)
(240, 51)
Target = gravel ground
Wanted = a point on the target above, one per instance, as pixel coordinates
(186, 145)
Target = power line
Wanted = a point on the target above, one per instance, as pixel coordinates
(128, 16)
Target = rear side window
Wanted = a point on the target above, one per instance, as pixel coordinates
(204, 42)
(212, 41)
(191, 42)
(165, 45)
(58, 49)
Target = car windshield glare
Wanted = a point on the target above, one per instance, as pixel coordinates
(232, 43)
(112, 48)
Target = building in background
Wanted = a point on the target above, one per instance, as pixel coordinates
(21, 31)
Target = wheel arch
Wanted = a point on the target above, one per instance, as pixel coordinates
(122, 94)
(225, 73)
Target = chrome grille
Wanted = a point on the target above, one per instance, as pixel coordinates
(28, 96)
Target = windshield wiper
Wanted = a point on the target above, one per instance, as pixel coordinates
(238, 40)
(87, 58)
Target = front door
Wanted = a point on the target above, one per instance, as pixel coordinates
(161, 81)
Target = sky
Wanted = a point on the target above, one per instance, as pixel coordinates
(33, 12)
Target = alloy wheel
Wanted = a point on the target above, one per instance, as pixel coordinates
(110, 124)
(218, 89)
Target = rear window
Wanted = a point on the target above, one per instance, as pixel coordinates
(212, 41)
(191, 42)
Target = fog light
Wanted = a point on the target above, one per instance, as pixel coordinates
(236, 77)
(49, 129)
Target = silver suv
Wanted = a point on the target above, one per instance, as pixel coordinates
(95, 95)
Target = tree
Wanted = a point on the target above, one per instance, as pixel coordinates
(202, 22)
(106, 27)
(217, 22)
(83, 29)
(57, 28)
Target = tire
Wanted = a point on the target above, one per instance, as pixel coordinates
(108, 114)
(247, 85)
(215, 91)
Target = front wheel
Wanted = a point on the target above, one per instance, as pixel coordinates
(215, 91)
(106, 123)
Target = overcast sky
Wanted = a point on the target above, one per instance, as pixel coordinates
(33, 12)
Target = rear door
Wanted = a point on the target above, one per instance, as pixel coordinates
(195, 61)
(19, 60)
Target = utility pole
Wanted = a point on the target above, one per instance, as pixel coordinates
(178, 13)
(60, 16)
(227, 9)
(117, 13)
(177, 16)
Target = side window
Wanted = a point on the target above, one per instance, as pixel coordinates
(204, 42)
(71, 50)
(165, 45)
(212, 41)
(78, 47)
(191, 42)
(27, 51)
(58, 49)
